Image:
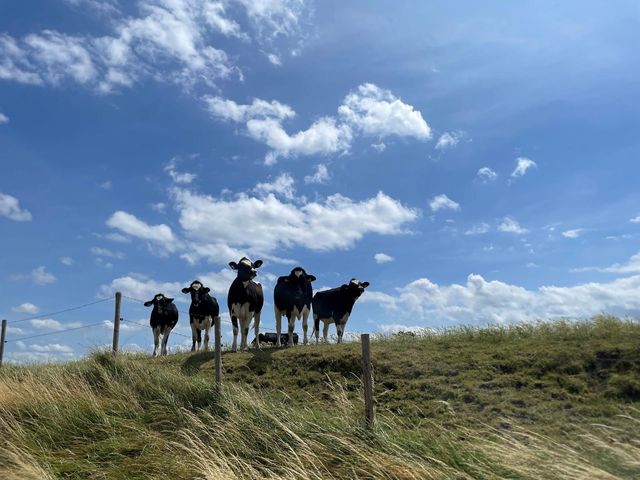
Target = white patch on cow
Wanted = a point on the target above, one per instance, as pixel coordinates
(159, 297)
(297, 272)
(247, 262)
(196, 286)
(355, 281)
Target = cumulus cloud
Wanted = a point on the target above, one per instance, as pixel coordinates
(68, 261)
(168, 40)
(522, 165)
(377, 112)
(486, 175)
(449, 140)
(380, 147)
(483, 301)
(478, 229)
(26, 308)
(38, 275)
(183, 178)
(368, 111)
(575, 233)
(631, 266)
(106, 253)
(336, 222)
(283, 185)
(510, 225)
(442, 202)
(320, 175)
(10, 208)
(635, 219)
(50, 324)
(383, 258)
(159, 235)
(3, 118)
(159, 207)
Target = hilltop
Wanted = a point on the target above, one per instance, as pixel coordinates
(550, 400)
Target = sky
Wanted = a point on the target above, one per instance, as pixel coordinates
(476, 162)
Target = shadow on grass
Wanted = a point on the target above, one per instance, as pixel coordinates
(192, 364)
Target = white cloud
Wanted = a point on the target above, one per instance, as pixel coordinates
(10, 208)
(108, 185)
(159, 207)
(270, 223)
(274, 59)
(449, 140)
(126, 326)
(635, 219)
(160, 235)
(139, 286)
(486, 175)
(26, 308)
(389, 328)
(383, 258)
(380, 147)
(68, 261)
(283, 185)
(370, 111)
(478, 229)
(632, 266)
(274, 18)
(575, 233)
(52, 347)
(522, 165)
(105, 7)
(105, 252)
(50, 324)
(442, 202)
(320, 175)
(3, 118)
(377, 112)
(510, 225)
(39, 276)
(483, 301)
(183, 178)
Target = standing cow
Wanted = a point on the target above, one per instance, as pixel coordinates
(334, 306)
(164, 317)
(203, 310)
(245, 300)
(292, 297)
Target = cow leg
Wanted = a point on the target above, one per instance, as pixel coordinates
(278, 325)
(234, 322)
(156, 340)
(207, 328)
(340, 326)
(194, 335)
(305, 316)
(316, 327)
(165, 340)
(292, 326)
(256, 327)
(199, 336)
(325, 331)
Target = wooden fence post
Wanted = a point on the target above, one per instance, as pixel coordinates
(2, 339)
(218, 352)
(368, 380)
(116, 323)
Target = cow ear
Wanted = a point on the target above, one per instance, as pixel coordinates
(364, 284)
(149, 303)
(257, 264)
(186, 289)
(311, 278)
(207, 289)
(233, 265)
(168, 300)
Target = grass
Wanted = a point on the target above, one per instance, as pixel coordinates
(557, 400)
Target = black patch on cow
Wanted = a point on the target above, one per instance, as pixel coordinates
(251, 294)
(164, 312)
(272, 338)
(203, 304)
(336, 302)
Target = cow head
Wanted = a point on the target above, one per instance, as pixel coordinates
(197, 291)
(299, 273)
(159, 302)
(355, 287)
(246, 268)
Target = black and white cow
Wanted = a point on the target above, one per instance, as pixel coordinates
(203, 310)
(292, 297)
(334, 306)
(272, 338)
(164, 317)
(245, 300)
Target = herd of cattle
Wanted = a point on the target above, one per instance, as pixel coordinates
(292, 297)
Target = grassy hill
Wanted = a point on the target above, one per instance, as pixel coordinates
(545, 401)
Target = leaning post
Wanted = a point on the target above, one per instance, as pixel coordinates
(218, 352)
(116, 323)
(3, 335)
(368, 380)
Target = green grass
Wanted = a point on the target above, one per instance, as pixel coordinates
(551, 400)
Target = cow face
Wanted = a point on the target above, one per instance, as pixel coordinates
(246, 268)
(159, 302)
(355, 287)
(197, 291)
(299, 272)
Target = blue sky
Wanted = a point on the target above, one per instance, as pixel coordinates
(474, 163)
